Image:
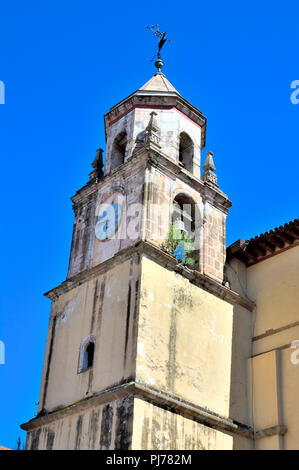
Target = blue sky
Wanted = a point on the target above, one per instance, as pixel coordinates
(64, 64)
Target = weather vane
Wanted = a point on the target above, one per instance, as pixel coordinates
(162, 40)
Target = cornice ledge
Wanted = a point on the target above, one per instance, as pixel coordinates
(83, 193)
(278, 430)
(112, 393)
(140, 390)
(144, 247)
(216, 197)
(191, 410)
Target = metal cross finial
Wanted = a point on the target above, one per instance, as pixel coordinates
(162, 40)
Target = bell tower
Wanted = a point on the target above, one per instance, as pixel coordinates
(140, 351)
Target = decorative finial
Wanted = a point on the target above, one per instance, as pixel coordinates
(163, 39)
(97, 164)
(209, 168)
(152, 132)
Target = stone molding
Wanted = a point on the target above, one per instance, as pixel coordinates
(150, 156)
(278, 430)
(144, 392)
(155, 100)
(164, 400)
(164, 259)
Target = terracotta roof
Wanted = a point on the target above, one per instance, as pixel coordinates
(4, 448)
(158, 83)
(265, 245)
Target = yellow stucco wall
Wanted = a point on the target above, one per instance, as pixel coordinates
(184, 339)
(157, 429)
(274, 285)
(153, 326)
(99, 307)
(289, 375)
(265, 383)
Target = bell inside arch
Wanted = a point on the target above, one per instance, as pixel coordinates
(179, 225)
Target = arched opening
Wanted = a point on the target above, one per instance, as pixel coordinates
(118, 151)
(86, 357)
(184, 213)
(186, 150)
(185, 218)
(89, 353)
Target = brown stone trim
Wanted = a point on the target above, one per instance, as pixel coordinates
(164, 259)
(145, 106)
(152, 106)
(284, 346)
(279, 430)
(161, 399)
(174, 99)
(274, 332)
(188, 118)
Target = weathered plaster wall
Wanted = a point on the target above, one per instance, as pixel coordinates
(157, 429)
(184, 339)
(241, 351)
(105, 306)
(83, 236)
(154, 327)
(145, 194)
(105, 427)
(265, 396)
(129, 230)
(126, 189)
(123, 424)
(236, 274)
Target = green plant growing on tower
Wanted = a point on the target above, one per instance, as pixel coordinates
(179, 244)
